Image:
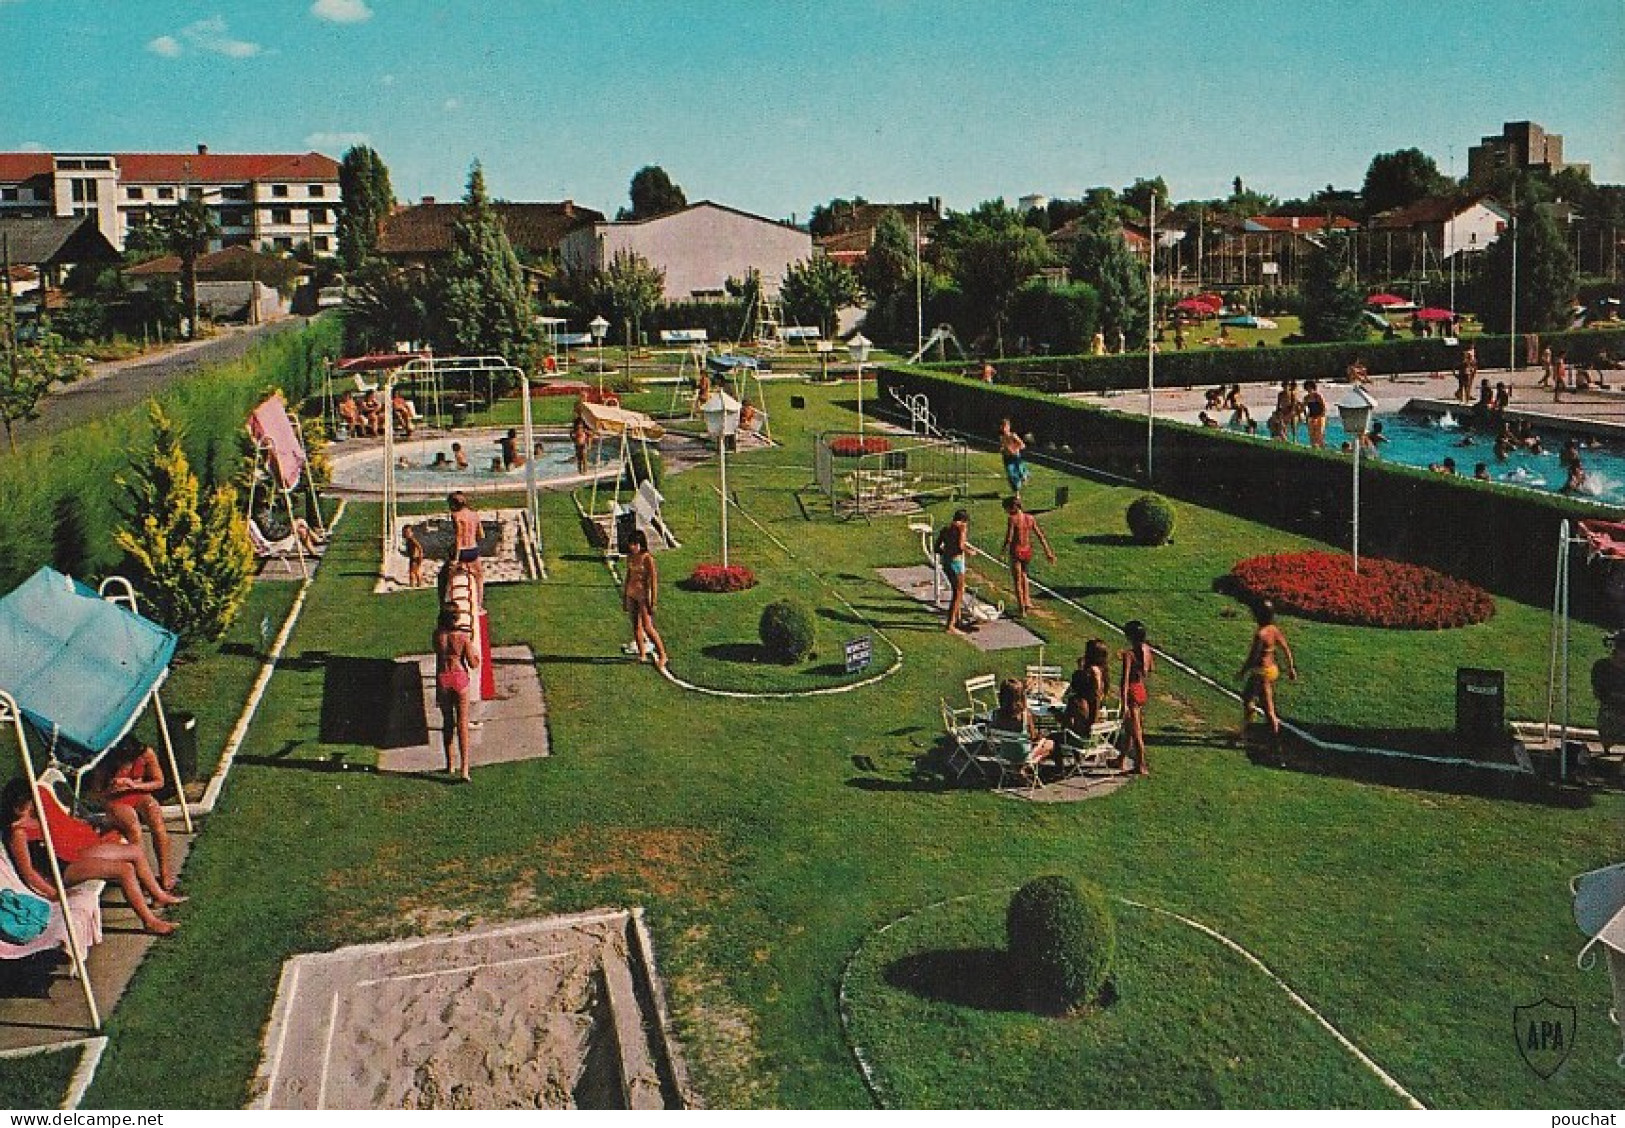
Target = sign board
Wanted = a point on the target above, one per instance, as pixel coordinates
(859, 651)
(1270, 267)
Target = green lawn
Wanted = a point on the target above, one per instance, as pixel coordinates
(767, 839)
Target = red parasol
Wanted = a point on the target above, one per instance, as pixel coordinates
(1386, 300)
(1435, 314)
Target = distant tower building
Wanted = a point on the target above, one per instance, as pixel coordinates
(1522, 145)
(1032, 203)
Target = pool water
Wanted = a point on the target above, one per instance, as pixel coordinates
(1423, 441)
(417, 473)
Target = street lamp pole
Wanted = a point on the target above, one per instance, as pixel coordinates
(859, 347)
(721, 414)
(1354, 409)
(598, 327)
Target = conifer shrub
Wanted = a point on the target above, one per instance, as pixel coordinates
(787, 631)
(1062, 941)
(1150, 520)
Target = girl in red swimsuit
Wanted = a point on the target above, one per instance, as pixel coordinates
(126, 784)
(1137, 663)
(84, 855)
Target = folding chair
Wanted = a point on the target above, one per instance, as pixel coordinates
(965, 739)
(981, 684)
(1094, 750)
(1017, 756)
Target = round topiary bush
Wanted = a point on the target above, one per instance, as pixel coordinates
(1062, 942)
(787, 631)
(1150, 520)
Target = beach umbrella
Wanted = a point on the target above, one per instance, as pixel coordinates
(1433, 313)
(1248, 321)
(1386, 300)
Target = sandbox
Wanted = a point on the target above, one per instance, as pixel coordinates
(565, 1012)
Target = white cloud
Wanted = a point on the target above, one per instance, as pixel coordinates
(453, 104)
(32, 147)
(341, 11)
(211, 35)
(338, 139)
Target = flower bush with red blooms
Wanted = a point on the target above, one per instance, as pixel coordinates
(850, 446)
(717, 578)
(1385, 593)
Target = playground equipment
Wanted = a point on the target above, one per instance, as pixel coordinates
(80, 666)
(973, 606)
(432, 370)
(614, 426)
(280, 459)
(942, 336)
(866, 475)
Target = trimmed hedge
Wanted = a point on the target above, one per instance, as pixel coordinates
(1209, 367)
(1062, 942)
(1501, 538)
(36, 522)
(1150, 520)
(788, 631)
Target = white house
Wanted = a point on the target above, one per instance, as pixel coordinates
(699, 247)
(1447, 225)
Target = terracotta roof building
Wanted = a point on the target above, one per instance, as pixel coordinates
(50, 245)
(422, 233)
(854, 228)
(273, 201)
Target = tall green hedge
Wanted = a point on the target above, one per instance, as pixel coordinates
(1500, 537)
(1207, 367)
(211, 407)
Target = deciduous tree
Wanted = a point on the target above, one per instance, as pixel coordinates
(815, 290)
(1546, 275)
(627, 289)
(990, 252)
(1393, 180)
(653, 193)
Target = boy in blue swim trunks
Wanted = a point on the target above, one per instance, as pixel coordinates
(953, 546)
(467, 523)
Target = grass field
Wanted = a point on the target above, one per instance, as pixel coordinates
(768, 839)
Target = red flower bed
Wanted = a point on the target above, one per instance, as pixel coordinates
(715, 577)
(1385, 593)
(850, 446)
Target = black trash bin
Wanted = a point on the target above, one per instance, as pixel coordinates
(459, 414)
(1480, 711)
(183, 737)
(626, 523)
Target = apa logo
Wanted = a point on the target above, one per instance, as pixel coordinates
(1545, 1034)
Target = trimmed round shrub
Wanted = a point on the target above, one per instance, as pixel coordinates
(787, 631)
(1150, 520)
(1062, 940)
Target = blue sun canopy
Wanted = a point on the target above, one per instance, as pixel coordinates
(77, 665)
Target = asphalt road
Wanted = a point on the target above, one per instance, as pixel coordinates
(123, 384)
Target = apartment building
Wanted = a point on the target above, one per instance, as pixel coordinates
(269, 201)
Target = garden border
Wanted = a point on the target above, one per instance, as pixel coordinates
(83, 1073)
(867, 1072)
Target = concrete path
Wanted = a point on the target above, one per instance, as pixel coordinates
(513, 726)
(1000, 634)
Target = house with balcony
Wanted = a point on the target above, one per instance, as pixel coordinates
(268, 201)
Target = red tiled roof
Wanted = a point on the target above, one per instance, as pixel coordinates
(234, 168)
(22, 166)
(1433, 209)
(425, 229)
(866, 217)
(851, 243)
(231, 260)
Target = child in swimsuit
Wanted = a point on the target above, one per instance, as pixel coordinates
(1011, 447)
(454, 657)
(1137, 663)
(953, 543)
(1261, 671)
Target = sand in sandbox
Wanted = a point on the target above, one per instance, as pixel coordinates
(537, 1016)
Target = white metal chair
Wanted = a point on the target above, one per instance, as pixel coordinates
(284, 551)
(1016, 755)
(966, 736)
(976, 687)
(1096, 749)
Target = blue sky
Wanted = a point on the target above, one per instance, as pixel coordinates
(775, 106)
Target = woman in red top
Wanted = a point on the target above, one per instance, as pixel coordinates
(84, 854)
(1137, 663)
(126, 784)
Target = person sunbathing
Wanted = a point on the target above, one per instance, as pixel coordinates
(126, 785)
(84, 855)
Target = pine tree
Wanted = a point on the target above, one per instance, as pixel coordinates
(365, 188)
(483, 304)
(192, 561)
(1333, 306)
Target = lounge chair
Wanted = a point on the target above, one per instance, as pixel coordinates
(84, 899)
(284, 551)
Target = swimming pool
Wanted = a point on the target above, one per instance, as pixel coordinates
(1426, 440)
(417, 473)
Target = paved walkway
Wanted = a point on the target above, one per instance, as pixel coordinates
(513, 725)
(1000, 634)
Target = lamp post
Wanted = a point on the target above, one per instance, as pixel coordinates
(859, 346)
(598, 327)
(1354, 410)
(721, 414)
